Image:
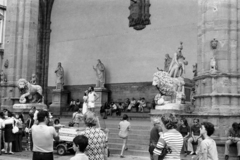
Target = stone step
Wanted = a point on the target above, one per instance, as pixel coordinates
(130, 152)
(131, 136)
(132, 132)
(130, 146)
(133, 127)
(130, 141)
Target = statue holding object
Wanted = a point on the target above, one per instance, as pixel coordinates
(177, 66)
(100, 74)
(29, 93)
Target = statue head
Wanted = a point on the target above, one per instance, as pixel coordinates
(59, 64)
(167, 56)
(99, 61)
(22, 84)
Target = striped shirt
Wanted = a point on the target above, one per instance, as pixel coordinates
(174, 140)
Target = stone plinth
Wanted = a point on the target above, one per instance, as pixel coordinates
(27, 107)
(59, 101)
(103, 96)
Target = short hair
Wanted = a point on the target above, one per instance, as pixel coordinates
(41, 115)
(90, 119)
(92, 88)
(209, 127)
(81, 141)
(56, 121)
(125, 117)
(170, 122)
(235, 125)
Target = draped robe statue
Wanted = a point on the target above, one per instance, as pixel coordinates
(100, 74)
(59, 76)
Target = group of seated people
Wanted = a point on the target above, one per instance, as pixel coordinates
(118, 107)
(74, 105)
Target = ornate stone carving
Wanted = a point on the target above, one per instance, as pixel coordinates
(100, 74)
(139, 14)
(33, 79)
(177, 66)
(6, 63)
(29, 93)
(3, 77)
(214, 43)
(59, 76)
(195, 70)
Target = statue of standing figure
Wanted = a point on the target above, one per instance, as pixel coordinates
(59, 76)
(33, 79)
(177, 66)
(3, 77)
(100, 73)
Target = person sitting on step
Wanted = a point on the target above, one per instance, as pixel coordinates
(132, 104)
(142, 104)
(233, 137)
(195, 136)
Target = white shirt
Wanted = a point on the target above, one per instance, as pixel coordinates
(1, 123)
(35, 115)
(80, 156)
(91, 96)
(42, 136)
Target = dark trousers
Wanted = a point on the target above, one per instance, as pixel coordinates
(42, 156)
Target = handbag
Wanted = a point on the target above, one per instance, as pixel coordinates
(15, 129)
(165, 150)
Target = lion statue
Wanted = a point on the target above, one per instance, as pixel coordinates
(29, 93)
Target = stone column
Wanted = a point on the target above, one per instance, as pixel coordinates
(217, 93)
(20, 45)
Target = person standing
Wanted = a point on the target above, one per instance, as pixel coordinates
(8, 134)
(92, 97)
(96, 137)
(80, 143)
(170, 137)
(85, 102)
(208, 147)
(1, 133)
(29, 125)
(43, 137)
(154, 136)
(124, 127)
(17, 143)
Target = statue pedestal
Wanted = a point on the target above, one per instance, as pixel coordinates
(27, 107)
(103, 98)
(59, 101)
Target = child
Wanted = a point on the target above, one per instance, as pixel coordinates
(80, 143)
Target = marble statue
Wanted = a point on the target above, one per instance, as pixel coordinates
(177, 66)
(33, 79)
(167, 62)
(29, 93)
(195, 70)
(59, 76)
(213, 65)
(100, 73)
(3, 77)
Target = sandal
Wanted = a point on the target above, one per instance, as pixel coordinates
(11, 153)
(121, 156)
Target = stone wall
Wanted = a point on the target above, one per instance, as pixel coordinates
(84, 31)
(120, 91)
